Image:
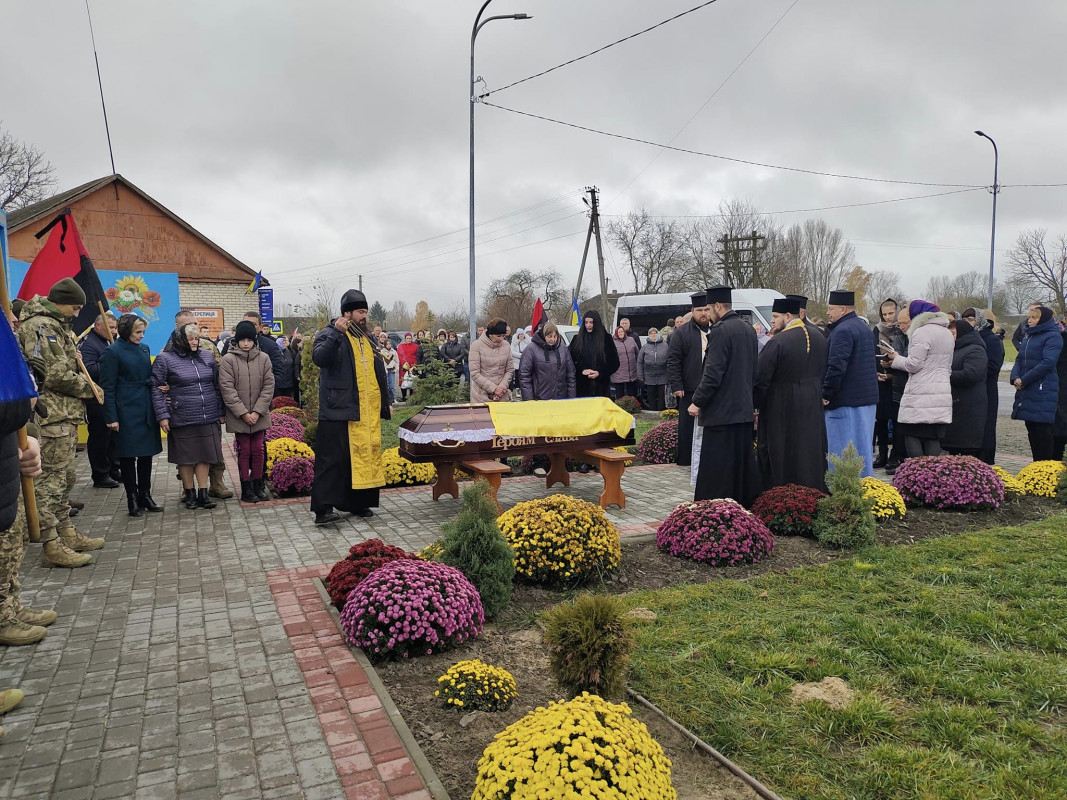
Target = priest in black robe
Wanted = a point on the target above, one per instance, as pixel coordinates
(685, 365)
(724, 407)
(791, 436)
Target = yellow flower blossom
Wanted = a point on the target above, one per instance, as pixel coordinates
(886, 502)
(477, 685)
(1040, 478)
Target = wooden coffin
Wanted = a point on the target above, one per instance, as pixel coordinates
(460, 432)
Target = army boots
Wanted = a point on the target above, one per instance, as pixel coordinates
(76, 540)
(56, 554)
(14, 632)
(217, 485)
(31, 616)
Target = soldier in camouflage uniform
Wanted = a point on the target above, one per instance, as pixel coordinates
(48, 344)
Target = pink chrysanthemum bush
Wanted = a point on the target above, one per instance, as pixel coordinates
(717, 532)
(949, 482)
(411, 608)
(659, 445)
(293, 476)
(283, 426)
(282, 401)
(299, 414)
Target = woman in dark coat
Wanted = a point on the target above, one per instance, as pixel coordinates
(652, 370)
(994, 350)
(546, 371)
(452, 353)
(595, 357)
(1059, 427)
(969, 362)
(126, 378)
(1036, 381)
(190, 411)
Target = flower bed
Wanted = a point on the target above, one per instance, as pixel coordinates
(361, 561)
(949, 482)
(669, 413)
(1013, 487)
(292, 476)
(631, 405)
(285, 427)
(717, 532)
(886, 502)
(401, 472)
(1041, 478)
(560, 540)
(282, 401)
(409, 608)
(659, 445)
(473, 685)
(788, 510)
(585, 747)
(299, 414)
(286, 448)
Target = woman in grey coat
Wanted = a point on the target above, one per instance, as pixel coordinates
(652, 370)
(546, 371)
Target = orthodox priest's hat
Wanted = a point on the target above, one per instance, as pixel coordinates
(353, 300)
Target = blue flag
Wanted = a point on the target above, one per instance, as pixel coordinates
(16, 383)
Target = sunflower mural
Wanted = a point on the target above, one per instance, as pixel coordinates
(131, 295)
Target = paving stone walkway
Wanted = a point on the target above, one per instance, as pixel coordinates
(170, 672)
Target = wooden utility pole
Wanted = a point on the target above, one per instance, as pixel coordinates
(594, 221)
(741, 258)
(361, 283)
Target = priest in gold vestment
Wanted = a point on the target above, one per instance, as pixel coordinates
(353, 400)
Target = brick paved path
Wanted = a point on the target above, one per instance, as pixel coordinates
(170, 673)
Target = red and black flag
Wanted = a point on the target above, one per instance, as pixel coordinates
(539, 317)
(64, 256)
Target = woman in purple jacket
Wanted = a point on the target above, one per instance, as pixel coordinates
(188, 405)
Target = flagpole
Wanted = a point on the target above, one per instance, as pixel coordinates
(29, 499)
(100, 84)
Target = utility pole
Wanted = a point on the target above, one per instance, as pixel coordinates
(742, 259)
(594, 221)
(361, 283)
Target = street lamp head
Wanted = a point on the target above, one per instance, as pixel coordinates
(979, 133)
(521, 16)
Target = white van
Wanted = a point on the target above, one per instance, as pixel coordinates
(647, 310)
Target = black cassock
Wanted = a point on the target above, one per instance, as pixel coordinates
(791, 436)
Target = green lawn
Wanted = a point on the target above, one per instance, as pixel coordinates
(1010, 353)
(957, 649)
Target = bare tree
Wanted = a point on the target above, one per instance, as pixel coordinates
(822, 257)
(1018, 294)
(25, 175)
(655, 252)
(701, 237)
(454, 318)
(399, 317)
(1044, 268)
(963, 291)
(883, 285)
(512, 297)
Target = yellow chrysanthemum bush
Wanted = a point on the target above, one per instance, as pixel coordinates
(473, 685)
(886, 502)
(560, 540)
(669, 413)
(1041, 478)
(432, 551)
(581, 748)
(1013, 487)
(401, 472)
(286, 448)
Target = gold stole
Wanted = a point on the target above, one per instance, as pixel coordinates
(365, 436)
(799, 323)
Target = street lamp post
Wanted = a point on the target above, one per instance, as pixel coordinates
(479, 23)
(993, 235)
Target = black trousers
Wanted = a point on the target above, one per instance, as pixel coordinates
(1042, 447)
(137, 475)
(101, 444)
(685, 431)
(654, 399)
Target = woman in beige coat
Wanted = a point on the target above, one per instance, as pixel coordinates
(246, 383)
(491, 365)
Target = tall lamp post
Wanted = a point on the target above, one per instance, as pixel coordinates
(479, 23)
(993, 235)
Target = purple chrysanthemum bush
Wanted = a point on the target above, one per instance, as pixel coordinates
(283, 426)
(293, 476)
(410, 608)
(717, 532)
(949, 482)
(659, 445)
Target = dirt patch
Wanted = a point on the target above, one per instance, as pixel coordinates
(832, 691)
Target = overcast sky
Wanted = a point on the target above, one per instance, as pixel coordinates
(295, 134)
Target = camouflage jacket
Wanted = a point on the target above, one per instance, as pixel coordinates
(48, 344)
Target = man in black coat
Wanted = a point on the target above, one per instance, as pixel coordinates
(685, 365)
(723, 401)
(100, 445)
(791, 440)
(353, 400)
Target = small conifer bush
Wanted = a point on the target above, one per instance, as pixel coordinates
(589, 643)
(844, 519)
(474, 545)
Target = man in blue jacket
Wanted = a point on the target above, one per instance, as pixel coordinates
(850, 388)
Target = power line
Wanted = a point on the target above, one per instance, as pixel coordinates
(711, 97)
(730, 158)
(599, 49)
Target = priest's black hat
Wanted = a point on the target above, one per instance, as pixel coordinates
(353, 300)
(802, 301)
(786, 305)
(721, 294)
(699, 299)
(842, 297)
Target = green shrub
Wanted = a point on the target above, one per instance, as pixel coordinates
(436, 383)
(310, 430)
(309, 373)
(474, 545)
(1061, 484)
(844, 519)
(589, 643)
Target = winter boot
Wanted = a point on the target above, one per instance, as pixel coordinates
(247, 495)
(217, 487)
(133, 505)
(56, 554)
(148, 504)
(260, 489)
(31, 616)
(203, 500)
(14, 633)
(189, 497)
(76, 540)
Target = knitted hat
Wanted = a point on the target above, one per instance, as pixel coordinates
(16, 307)
(353, 300)
(67, 292)
(917, 307)
(244, 330)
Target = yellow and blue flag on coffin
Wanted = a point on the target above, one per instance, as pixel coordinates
(575, 313)
(257, 281)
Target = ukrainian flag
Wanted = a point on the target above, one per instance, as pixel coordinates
(257, 281)
(575, 314)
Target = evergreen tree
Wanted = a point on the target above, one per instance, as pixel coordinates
(844, 519)
(474, 545)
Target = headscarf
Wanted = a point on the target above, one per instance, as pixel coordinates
(179, 343)
(1046, 314)
(917, 307)
(590, 344)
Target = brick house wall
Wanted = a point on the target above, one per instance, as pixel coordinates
(232, 299)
